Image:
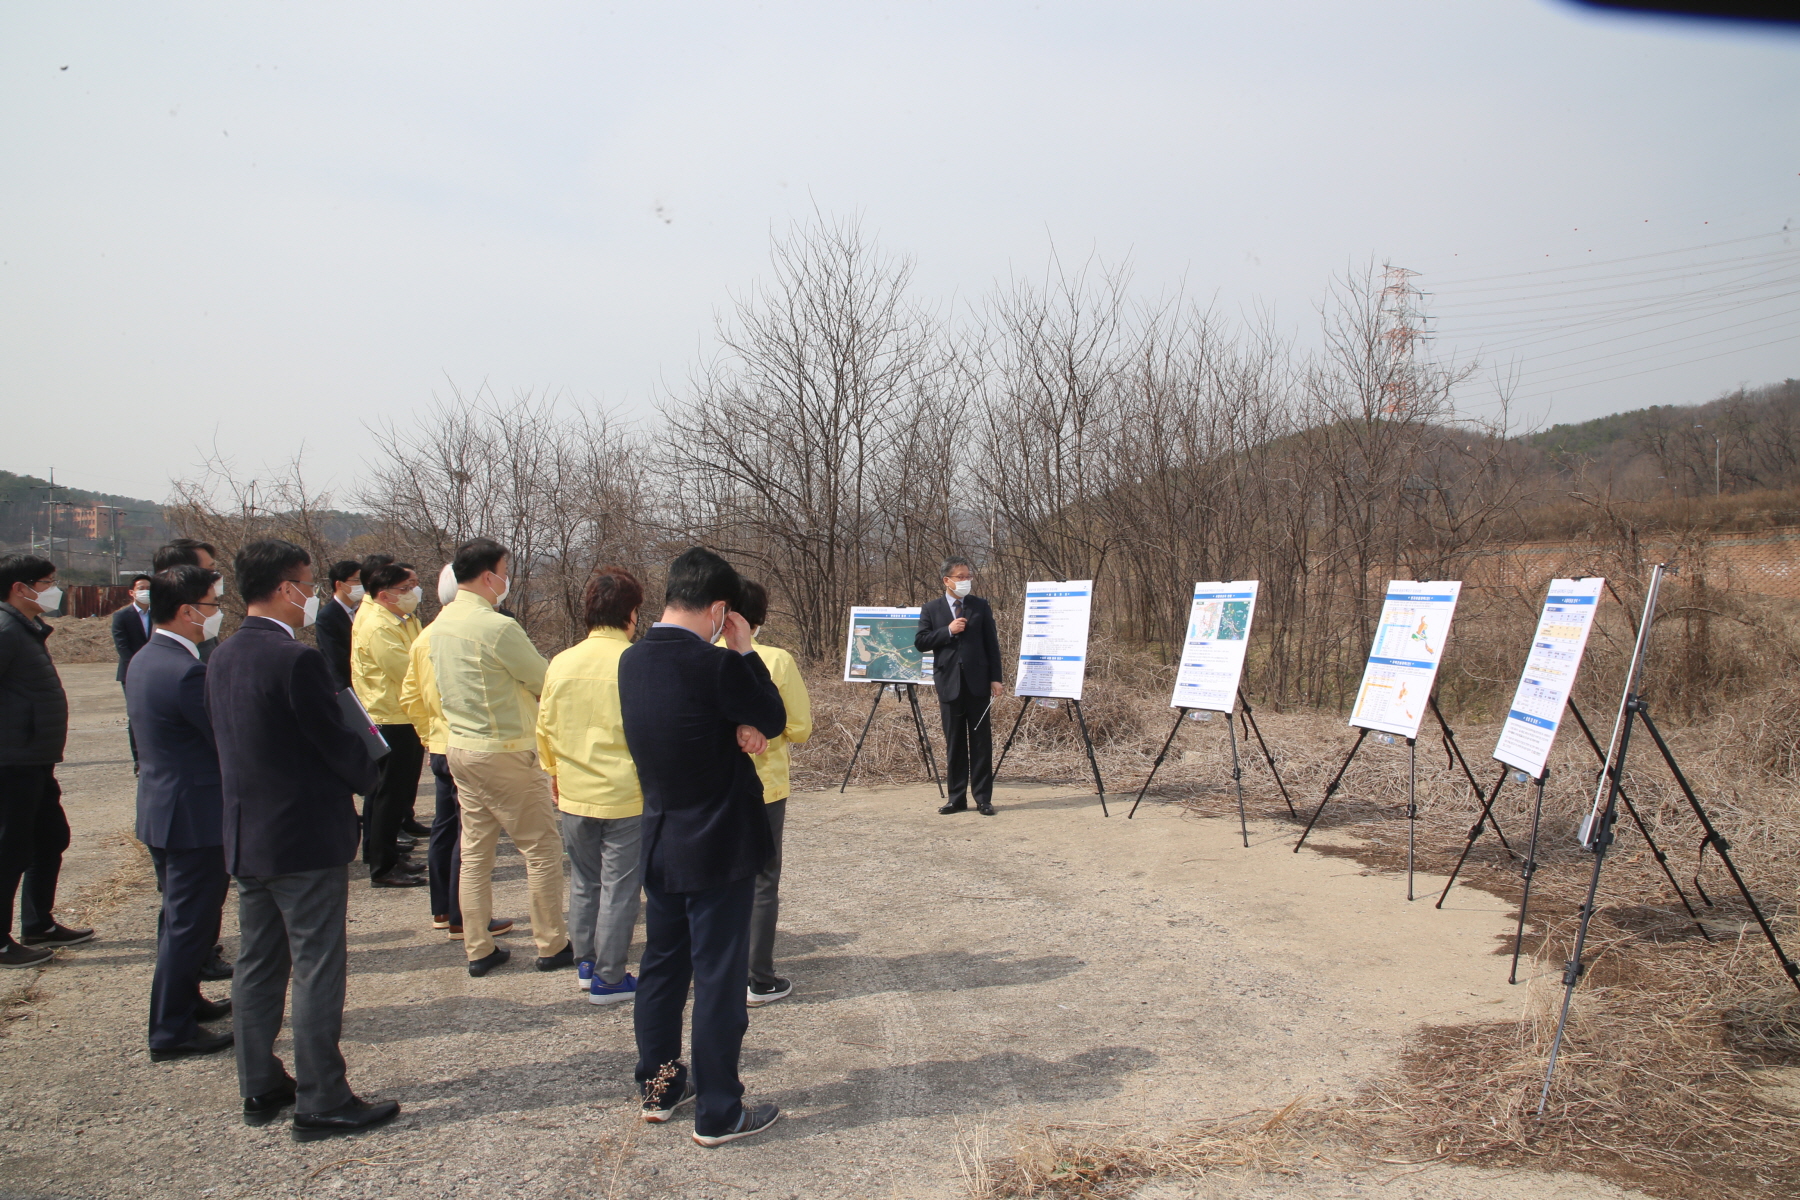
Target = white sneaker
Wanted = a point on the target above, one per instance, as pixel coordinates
(758, 994)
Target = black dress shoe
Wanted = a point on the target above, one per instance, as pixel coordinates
(481, 966)
(556, 962)
(14, 955)
(212, 1010)
(351, 1118)
(260, 1110)
(415, 828)
(58, 935)
(953, 808)
(200, 1043)
(986, 810)
(396, 877)
(215, 968)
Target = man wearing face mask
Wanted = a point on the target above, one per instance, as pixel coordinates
(130, 630)
(179, 808)
(379, 645)
(34, 724)
(489, 677)
(288, 768)
(957, 629)
(188, 552)
(332, 630)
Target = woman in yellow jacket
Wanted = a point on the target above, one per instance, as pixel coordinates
(581, 744)
(765, 985)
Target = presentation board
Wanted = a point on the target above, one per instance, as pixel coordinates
(1054, 637)
(1549, 675)
(1212, 653)
(880, 647)
(1403, 662)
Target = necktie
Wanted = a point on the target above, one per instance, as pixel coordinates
(956, 609)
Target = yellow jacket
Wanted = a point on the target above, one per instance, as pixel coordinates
(379, 641)
(419, 695)
(488, 674)
(581, 730)
(772, 764)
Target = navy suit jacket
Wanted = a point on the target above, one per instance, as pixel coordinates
(964, 662)
(682, 701)
(179, 801)
(129, 635)
(331, 628)
(288, 764)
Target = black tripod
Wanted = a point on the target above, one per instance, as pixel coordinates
(1249, 718)
(1088, 742)
(1597, 828)
(912, 696)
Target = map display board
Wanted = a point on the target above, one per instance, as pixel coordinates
(1053, 642)
(1549, 675)
(1403, 662)
(880, 648)
(1212, 653)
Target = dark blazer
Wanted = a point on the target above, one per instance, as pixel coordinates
(682, 701)
(287, 763)
(34, 709)
(129, 635)
(331, 628)
(179, 799)
(968, 661)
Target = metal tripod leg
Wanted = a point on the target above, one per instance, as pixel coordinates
(1331, 787)
(912, 695)
(1456, 751)
(1024, 704)
(857, 753)
(1237, 777)
(1412, 807)
(1092, 761)
(1528, 869)
(1249, 716)
(1474, 832)
(1180, 716)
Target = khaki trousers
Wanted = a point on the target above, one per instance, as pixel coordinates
(508, 791)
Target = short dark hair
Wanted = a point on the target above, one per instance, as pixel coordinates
(263, 566)
(612, 595)
(135, 579)
(181, 552)
(22, 568)
(475, 557)
(371, 561)
(343, 569)
(953, 562)
(700, 579)
(385, 576)
(753, 603)
(178, 586)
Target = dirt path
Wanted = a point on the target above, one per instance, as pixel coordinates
(1047, 963)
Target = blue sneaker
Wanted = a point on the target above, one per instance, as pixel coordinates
(602, 992)
(584, 975)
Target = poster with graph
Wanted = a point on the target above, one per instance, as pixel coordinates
(1549, 674)
(1212, 651)
(1403, 662)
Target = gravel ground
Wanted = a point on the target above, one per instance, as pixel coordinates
(956, 977)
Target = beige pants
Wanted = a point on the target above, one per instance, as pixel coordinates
(508, 791)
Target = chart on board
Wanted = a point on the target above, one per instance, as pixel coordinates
(1212, 651)
(1403, 661)
(1053, 639)
(880, 648)
(1549, 676)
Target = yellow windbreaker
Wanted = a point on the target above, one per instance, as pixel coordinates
(772, 764)
(581, 731)
(419, 695)
(379, 641)
(489, 676)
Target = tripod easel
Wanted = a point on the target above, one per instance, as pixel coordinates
(1597, 827)
(1075, 714)
(912, 697)
(1248, 716)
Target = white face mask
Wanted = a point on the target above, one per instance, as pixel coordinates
(409, 601)
(720, 627)
(50, 599)
(209, 626)
(357, 593)
(309, 611)
(505, 590)
(141, 597)
(962, 587)
(446, 585)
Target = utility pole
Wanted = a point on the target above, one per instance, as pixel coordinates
(50, 511)
(1716, 449)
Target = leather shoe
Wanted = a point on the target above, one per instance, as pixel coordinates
(200, 1043)
(57, 935)
(986, 810)
(562, 958)
(260, 1110)
(350, 1118)
(212, 1010)
(215, 969)
(415, 828)
(14, 955)
(953, 808)
(481, 966)
(398, 878)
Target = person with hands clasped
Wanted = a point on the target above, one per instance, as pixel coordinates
(957, 629)
(380, 638)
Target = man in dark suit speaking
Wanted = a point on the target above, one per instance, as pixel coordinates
(694, 713)
(957, 629)
(288, 767)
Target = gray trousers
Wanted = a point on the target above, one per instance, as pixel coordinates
(603, 889)
(768, 902)
(292, 925)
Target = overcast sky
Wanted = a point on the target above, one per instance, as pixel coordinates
(265, 225)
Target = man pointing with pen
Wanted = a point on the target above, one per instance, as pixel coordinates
(957, 628)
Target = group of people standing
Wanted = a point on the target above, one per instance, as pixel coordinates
(659, 765)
